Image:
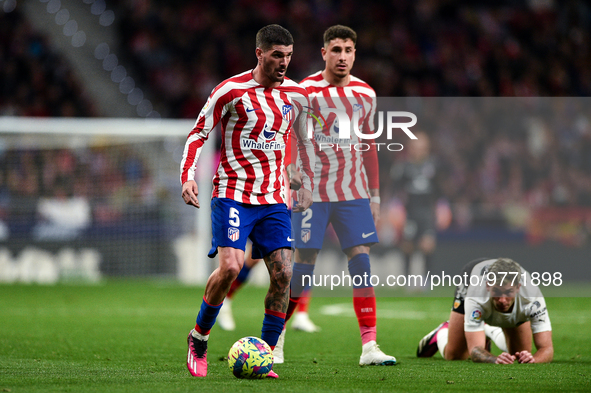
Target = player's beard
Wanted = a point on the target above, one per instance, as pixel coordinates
(271, 72)
(341, 72)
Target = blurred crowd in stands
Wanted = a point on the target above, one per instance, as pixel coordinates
(182, 49)
(35, 80)
(57, 194)
(179, 50)
(527, 48)
(500, 160)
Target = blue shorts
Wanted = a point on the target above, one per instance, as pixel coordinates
(232, 223)
(351, 220)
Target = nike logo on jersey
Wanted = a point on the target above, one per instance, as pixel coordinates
(252, 109)
(366, 235)
(289, 239)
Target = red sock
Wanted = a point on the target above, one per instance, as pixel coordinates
(201, 331)
(293, 303)
(364, 303)
(304, 301)
(236, 284)
(368, 333)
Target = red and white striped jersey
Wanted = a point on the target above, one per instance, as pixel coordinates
(256, 123)
(345, 169)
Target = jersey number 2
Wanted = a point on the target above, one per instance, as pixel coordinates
(306, 216)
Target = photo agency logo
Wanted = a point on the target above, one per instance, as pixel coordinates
(341, 132)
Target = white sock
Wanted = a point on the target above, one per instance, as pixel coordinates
(497, 335)
(199, 336)
(442, 340)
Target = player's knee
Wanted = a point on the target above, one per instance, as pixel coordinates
(282, 277)
(230, 270)
(353, 251)
(306, 255)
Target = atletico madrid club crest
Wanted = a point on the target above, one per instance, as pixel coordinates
(286, 112)
(233, 234)
(306, 235)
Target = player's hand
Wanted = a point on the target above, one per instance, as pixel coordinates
(295, 181)
(505, 358)
(294, 176)
(304, 200)
(525, 357)
(190, 192)
(375, 212)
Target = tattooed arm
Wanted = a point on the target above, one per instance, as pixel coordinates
(481, 355)
(476, 342)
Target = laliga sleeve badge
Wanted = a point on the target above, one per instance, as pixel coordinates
(476, 315)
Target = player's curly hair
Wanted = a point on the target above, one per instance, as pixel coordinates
(273, 35)
(339, 31)
(504, 270)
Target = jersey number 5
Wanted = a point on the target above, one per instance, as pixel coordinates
(234, 218)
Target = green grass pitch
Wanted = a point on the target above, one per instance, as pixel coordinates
(130, 336)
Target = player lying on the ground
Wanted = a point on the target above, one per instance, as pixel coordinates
(505, 298)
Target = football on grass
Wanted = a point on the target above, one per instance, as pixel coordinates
(250, 357)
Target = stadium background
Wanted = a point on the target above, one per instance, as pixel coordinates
(524, 195)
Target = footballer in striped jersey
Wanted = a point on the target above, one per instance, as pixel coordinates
(258, 110)
(346, 179)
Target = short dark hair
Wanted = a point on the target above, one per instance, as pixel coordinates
(273, 35)
(339, 31)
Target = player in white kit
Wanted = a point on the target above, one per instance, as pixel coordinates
(498, 300)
